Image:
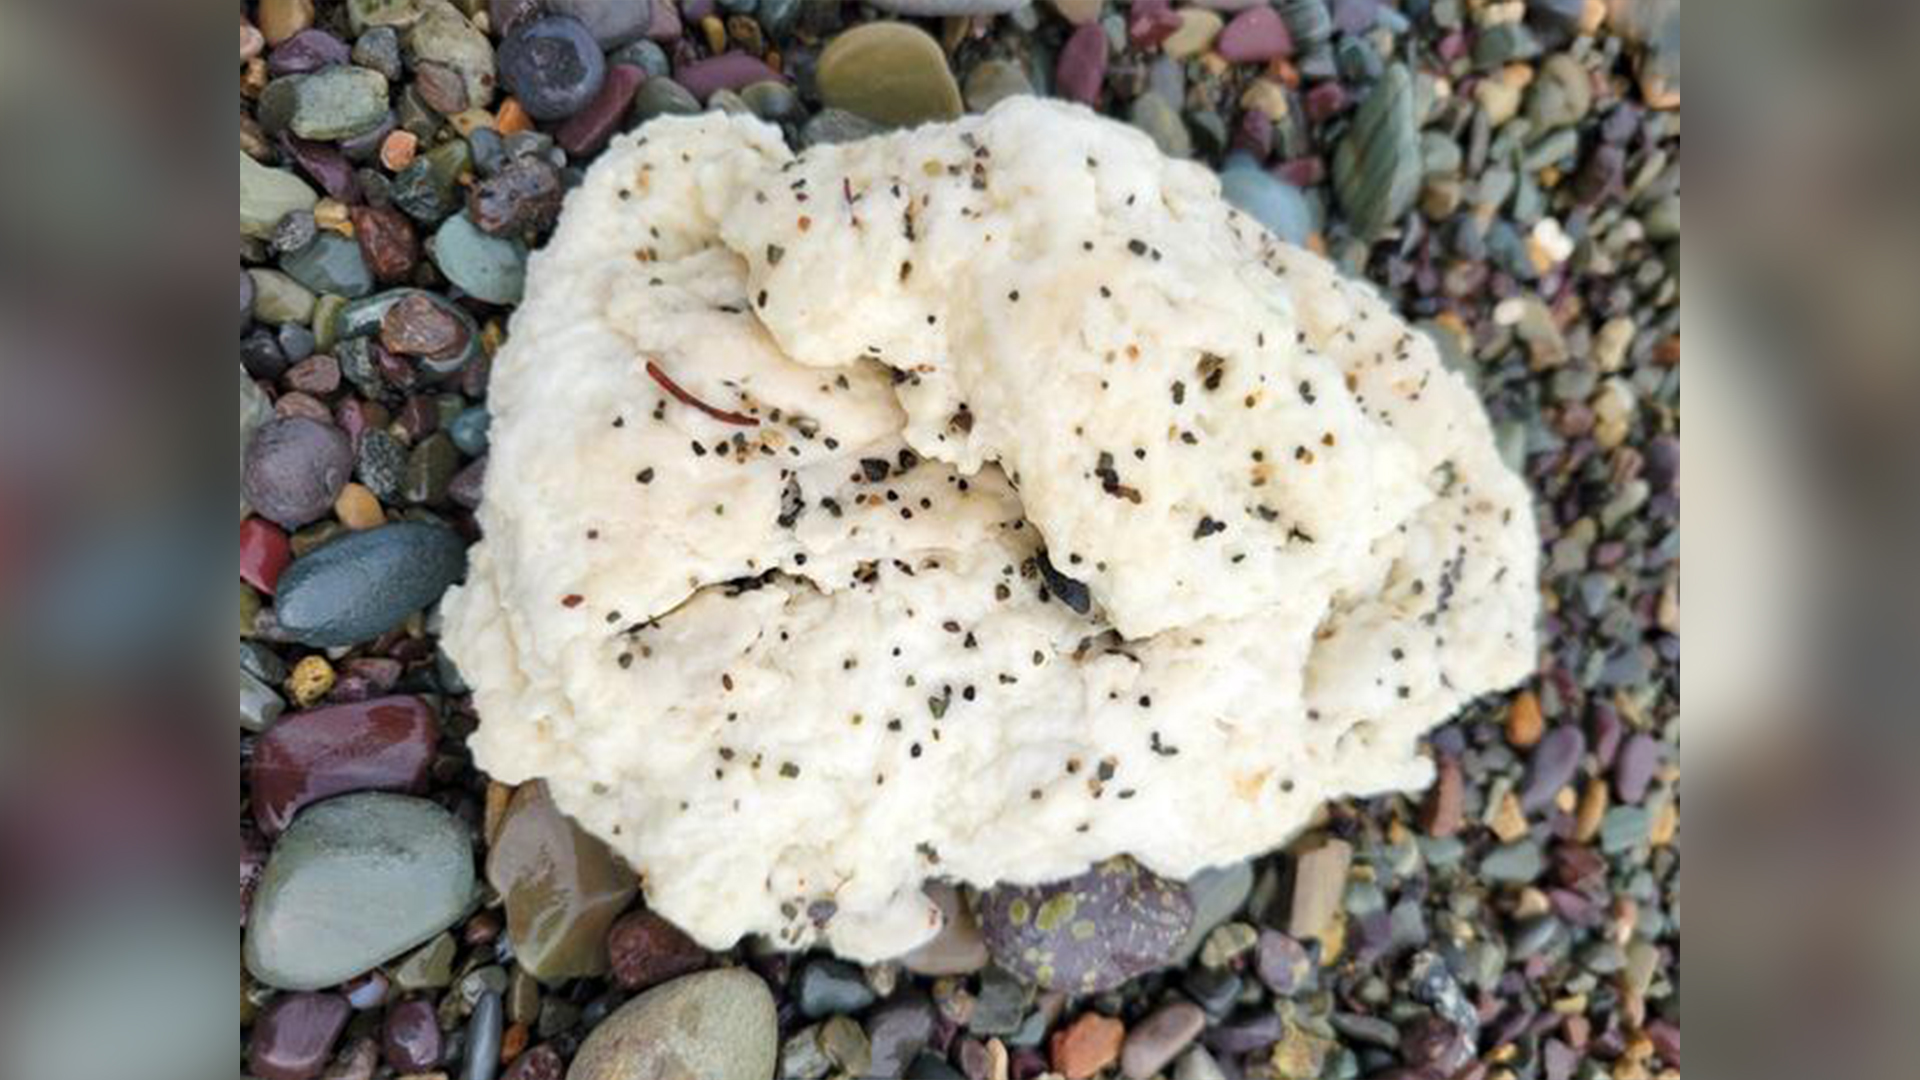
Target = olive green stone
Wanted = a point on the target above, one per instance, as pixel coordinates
(278, 298)
(663, 97)
(771, 100)
(338, 103)
(326, 324)
(427, 190)
(267, 195)
(889, 72)
(993, 81)
(836, 126)
(354, 882)
(490, 268)
(444, 36)
(1376, 167)
(429, 967)
(273, 109)
(562, 887)
(430, 468)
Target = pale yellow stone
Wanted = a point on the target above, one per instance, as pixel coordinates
(1078, 12)
(358, 509)
(1198, 28)
(1267, 96)
(311, 679)
(1508, 822)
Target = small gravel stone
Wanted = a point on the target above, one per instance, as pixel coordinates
(993, 81)
(1082, 66)
(1274, 203)
(1255, 36)
(1198, 29)
(1087, 933)
(663, 97)
(734, 70)
(444, 37)
(293, 1038)
(1086, 1046)
(646, 950)
(826, 987)
(410, 1039)
(1282, 963)
(1553, 766)
(330, 263)
(899, 1029)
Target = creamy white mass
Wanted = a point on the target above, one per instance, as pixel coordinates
(783, 615)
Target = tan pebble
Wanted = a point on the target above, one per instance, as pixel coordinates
(253, 77)
(358, 508)
(332, 214)
(398, 148)
(1533, 903)
(513, 1042)
(1198, 28)
(1666, 823)
(1078, 12)
(472, 120)
(1668, 613)
(311, 679)
(1267, 96)
(281, 19)
(252, 43)
(492, 336)
(996, 1060)
(1525, 725)
(1593, 807)
(716, 32)
(499, 796)
(1509, 822)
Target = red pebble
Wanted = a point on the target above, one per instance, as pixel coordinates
(264, 552)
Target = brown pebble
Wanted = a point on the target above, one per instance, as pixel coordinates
(295, 403)
(645, 949)
(416, 326)
(1524, 722)
(1086, 1046)
(443, 89)
(318, 374)
(387, 241)
(1593, 808)
(1445, 809)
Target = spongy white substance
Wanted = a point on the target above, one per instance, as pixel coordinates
(792, 670)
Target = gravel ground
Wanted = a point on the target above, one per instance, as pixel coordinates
(1507, 171)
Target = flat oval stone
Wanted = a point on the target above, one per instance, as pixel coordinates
(1082, 66)
(338, 102)
(385, 744)
(486, 267)
(826, 987)
(366, 583)
(1555, 761)
(562, 888)
(444, 36)
(294, 468)
(958, 949)
(663, 97)
(1087, 933)
(1154, 1042)
(728, 71)
(889, 72)
(1376, 167)
(716, 1025)
(356, 881)
(294, 1036)
(523, 197)
(897, 1030)
(387, 241)
(267, 195)
(552, 65)
(305, 52)
(330, 264)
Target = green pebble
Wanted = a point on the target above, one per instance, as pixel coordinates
(429, 967)
(444, 36)
(486, 267)
(428, 190)
(662, 97)
(836, 126)
(430, 469)
(338, 103)
(1376, 167)
(326, 321)
(771, 100)
(267, 195)
(354, 882)
(1515, 863)
(278, 298)
(1161, 121)
(260, 706)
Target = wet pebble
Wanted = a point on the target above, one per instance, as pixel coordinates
(1554, 763)
(993, 81)
(1089, 1044)
(366, 583)
(898, 1029)
(410, 1038)
(293, 1037)
(645, 950)
(1282, 963)
(1082, 65)
(384, 744)
(444, 37)
(1153, 1043)
(561, 886)
(825, 987)
(728, 71)
(1162, 123)
(306, 52)
(355, 881)
(889, 72)
(521, 199)
(717, 1025)
(387, 242)
(1087, 933)
(1634, 769)
(587, 130)
(337, 102)
(484, 1032)
(330, 263)
(553, 66)
(484, 266)
(1377, 165)
(663, 97)
(294, 468)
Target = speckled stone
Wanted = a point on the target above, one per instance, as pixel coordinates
(1087, 933)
